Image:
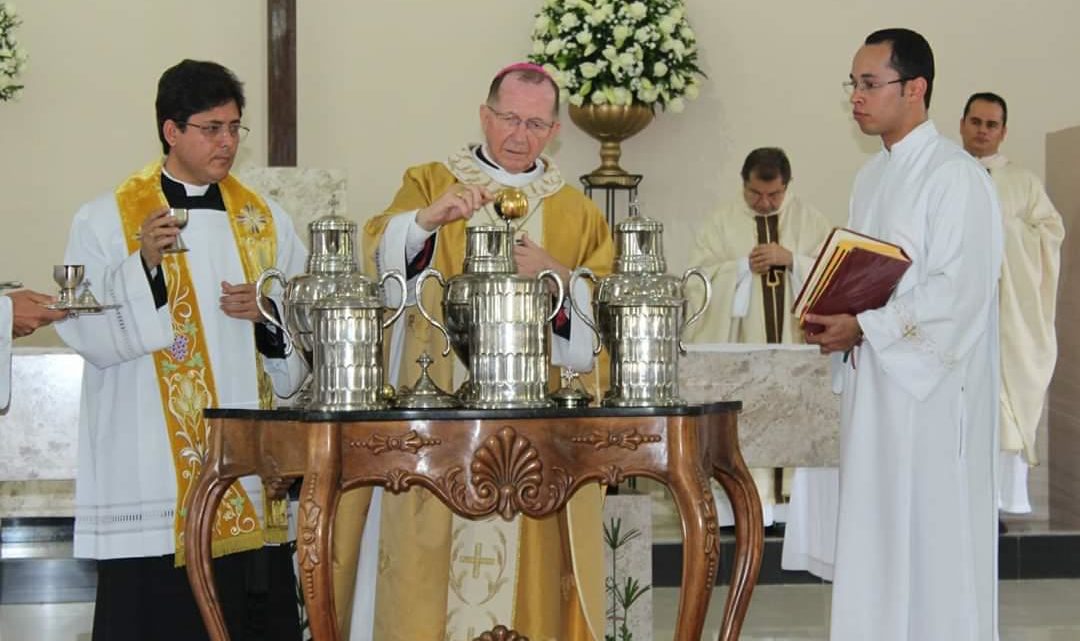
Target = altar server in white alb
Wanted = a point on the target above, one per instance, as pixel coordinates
(1033, 233)
(21, 313)
(186, 336)
(916, 550)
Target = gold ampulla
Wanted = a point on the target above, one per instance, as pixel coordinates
(511, 203)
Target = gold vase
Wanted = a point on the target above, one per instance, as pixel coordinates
(610, 124)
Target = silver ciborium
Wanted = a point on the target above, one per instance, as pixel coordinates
(640, 314)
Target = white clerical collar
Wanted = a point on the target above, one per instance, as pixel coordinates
(189, 189)
(993, 161)
(914, 139)
(486, 162)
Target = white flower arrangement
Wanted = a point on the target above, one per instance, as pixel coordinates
(12, 58)
(616, 52)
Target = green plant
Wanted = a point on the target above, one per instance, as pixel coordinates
(12, 58)
(623, 594)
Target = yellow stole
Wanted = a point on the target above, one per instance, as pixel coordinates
(184, 374)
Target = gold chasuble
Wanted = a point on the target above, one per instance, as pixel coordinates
(185, 377)
(440, 581)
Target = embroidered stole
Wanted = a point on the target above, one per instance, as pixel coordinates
(184, 373)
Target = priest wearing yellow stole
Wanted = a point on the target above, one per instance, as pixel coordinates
(185, 335)
(436, 576)
(1029, 277)
(21, 313)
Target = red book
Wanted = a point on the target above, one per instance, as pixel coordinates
(853, 273)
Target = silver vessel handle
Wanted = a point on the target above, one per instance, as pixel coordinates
(397, 277)
(548, 273)
(586, 273)
(694, 271)
(273, 274)
(420, 303)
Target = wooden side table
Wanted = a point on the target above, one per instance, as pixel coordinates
(479, 463)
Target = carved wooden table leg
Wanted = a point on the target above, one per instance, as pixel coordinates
(318, 498)
(701, 545)
(730, 470)
(202, 506)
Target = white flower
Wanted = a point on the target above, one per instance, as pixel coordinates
(554, 46)
(614, 52)
(621, 32)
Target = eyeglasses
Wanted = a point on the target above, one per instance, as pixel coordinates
(535, 126)
(867, 86)
(214, 130)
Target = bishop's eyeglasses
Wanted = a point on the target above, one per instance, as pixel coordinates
(213, 130)
(535, 126)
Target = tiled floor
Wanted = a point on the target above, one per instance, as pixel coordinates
(1030, 611)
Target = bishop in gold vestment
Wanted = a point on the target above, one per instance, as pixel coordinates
(437, 576)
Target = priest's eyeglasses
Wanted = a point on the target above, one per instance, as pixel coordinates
(214, 130)
(535, 126)
(869, 86)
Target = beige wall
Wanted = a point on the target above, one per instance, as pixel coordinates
(387, 84)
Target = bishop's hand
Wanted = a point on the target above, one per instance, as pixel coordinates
(460, 201)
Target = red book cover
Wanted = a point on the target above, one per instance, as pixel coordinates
(863, 280)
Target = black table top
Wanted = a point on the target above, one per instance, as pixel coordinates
(312, 416)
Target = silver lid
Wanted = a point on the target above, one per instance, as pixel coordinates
(639, 244)
(425, 394)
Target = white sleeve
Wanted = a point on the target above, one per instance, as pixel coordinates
(740, 303)
(942, 308)
(5, 352)
(400, 242)
(137, 328)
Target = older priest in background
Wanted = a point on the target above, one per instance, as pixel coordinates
(916, 549)
(542, 577)
(186, 335)
(21, 313)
